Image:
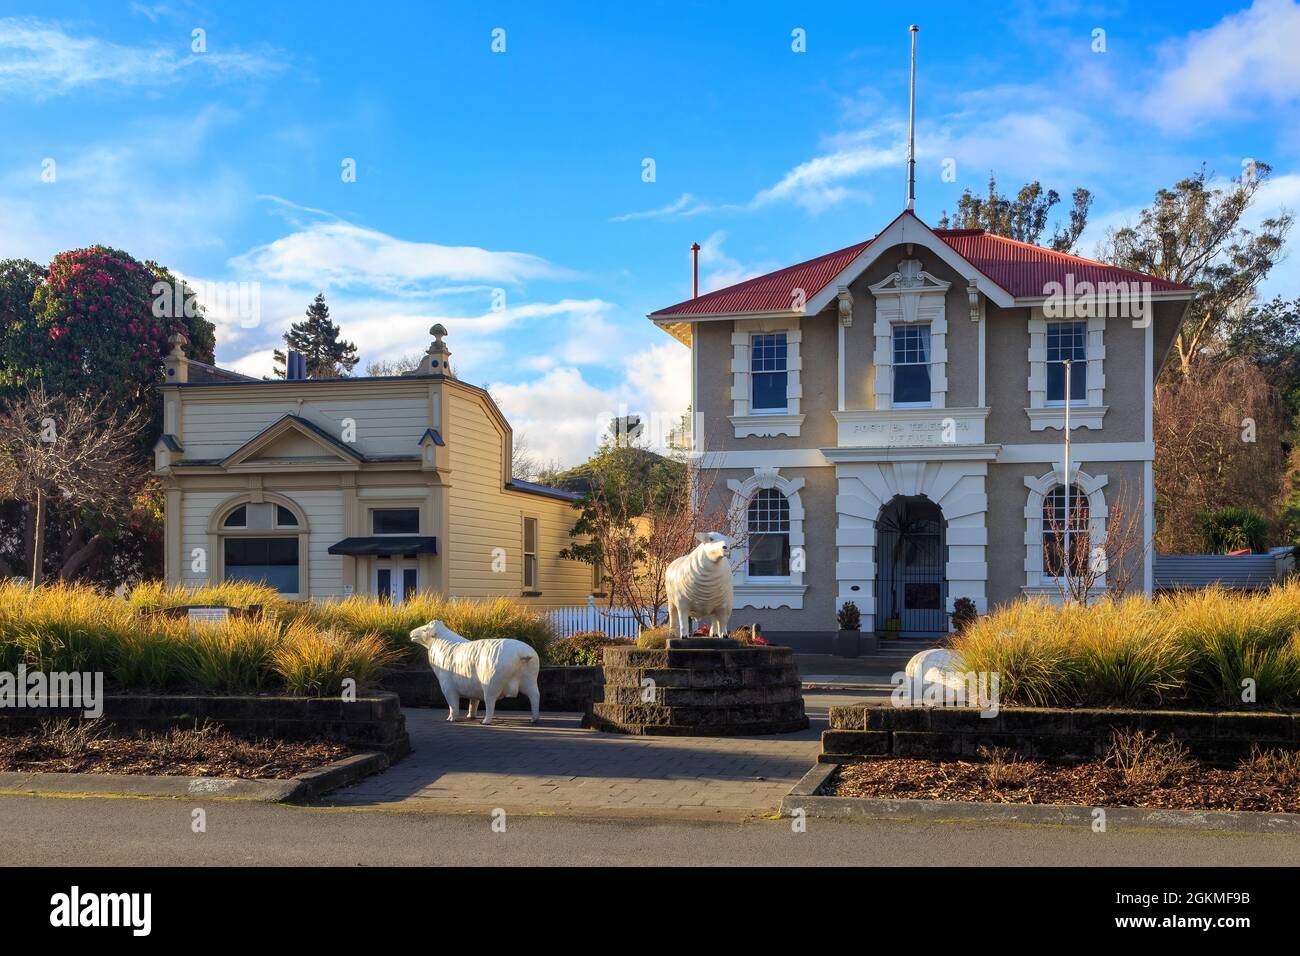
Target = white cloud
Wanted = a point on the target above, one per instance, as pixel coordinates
(683, 206)
(342, 254)
(39, 58)
(818, 183)
(565, 416)
(1245, 60)
(719, 270)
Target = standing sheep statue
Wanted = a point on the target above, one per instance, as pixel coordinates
(699, 585)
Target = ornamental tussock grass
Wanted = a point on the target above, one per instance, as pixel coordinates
(491, 618)
(61, 627)
(154, 595)
(315, 663)
(1202, 648)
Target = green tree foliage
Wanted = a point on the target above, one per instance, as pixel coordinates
(1023, 218)
(93, 326)
(317, 338)
(1193, 234)
(1234, 529)
(90, 329)
(201, 333)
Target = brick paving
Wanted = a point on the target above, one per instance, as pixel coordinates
(558, 767)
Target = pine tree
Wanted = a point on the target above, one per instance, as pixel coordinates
(317, 338)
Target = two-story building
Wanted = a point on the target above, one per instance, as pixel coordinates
(886, 423)
(338, 486)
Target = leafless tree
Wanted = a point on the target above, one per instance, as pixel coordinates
(69, 453)
(1219, 433)
(635, 522)
(1078, 559)
(382, 368)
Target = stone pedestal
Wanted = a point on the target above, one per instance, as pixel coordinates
(701, 693)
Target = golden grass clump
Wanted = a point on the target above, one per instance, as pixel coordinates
(315, 663)
(491, 618)
(1202, 648)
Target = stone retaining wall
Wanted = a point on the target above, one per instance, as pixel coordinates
(374, 722)
(1045, 732)
(706, 693)
(563, 689)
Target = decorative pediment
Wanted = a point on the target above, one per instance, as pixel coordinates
(293, 440)
(910, 277)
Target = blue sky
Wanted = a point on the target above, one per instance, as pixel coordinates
(523, 170)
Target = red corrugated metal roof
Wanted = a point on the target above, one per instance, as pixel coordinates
(1024, 270)
(1019, 268)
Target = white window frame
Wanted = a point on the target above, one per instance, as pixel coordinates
(1048, 401)
(784, 578)
(1045, 414)
(929, 348)
(782, 409)
(747, 421)
(1037, 580)
(769, 592)
(907, 297)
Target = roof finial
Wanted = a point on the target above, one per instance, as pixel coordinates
(437, 358)
(911, 127)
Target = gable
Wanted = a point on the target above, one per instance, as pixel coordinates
(290, 441)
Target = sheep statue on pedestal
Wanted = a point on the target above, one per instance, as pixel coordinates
(485, 670)
(699, 585)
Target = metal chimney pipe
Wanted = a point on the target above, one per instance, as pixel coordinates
(911, 127)
(695, 270)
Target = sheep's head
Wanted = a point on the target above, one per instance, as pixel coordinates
(715, 545)
(435, 630)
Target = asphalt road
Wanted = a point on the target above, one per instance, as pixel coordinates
(88, 831)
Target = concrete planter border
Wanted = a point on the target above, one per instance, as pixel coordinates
(298, 789)
(374, 722)
(805, 797)
(1046, 732)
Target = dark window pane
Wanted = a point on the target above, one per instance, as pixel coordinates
(284, 518)
(237, 518)
(408, 583)
(273, 561)
(1056, 381)
(769, 390)
(769, 555)
(530, 535)
(384, 584)
(921, 596)
(395, 521)
(911, 383)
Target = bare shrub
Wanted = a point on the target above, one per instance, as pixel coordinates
(1004, 769)
(1146, 760)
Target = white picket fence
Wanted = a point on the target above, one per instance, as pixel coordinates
(610, 621)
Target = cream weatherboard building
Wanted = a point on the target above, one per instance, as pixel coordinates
(333, 487)
(886, 424)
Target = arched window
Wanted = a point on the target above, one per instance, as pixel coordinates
(1065, 531)
(769, 534)
(262, 541)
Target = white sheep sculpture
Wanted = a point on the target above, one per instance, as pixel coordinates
(485, 670)
(699, 585)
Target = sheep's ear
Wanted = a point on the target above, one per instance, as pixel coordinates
(702, 537)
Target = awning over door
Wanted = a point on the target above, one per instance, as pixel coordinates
(394, 544)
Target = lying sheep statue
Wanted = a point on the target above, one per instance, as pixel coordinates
(484, 670)
(699, 585)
